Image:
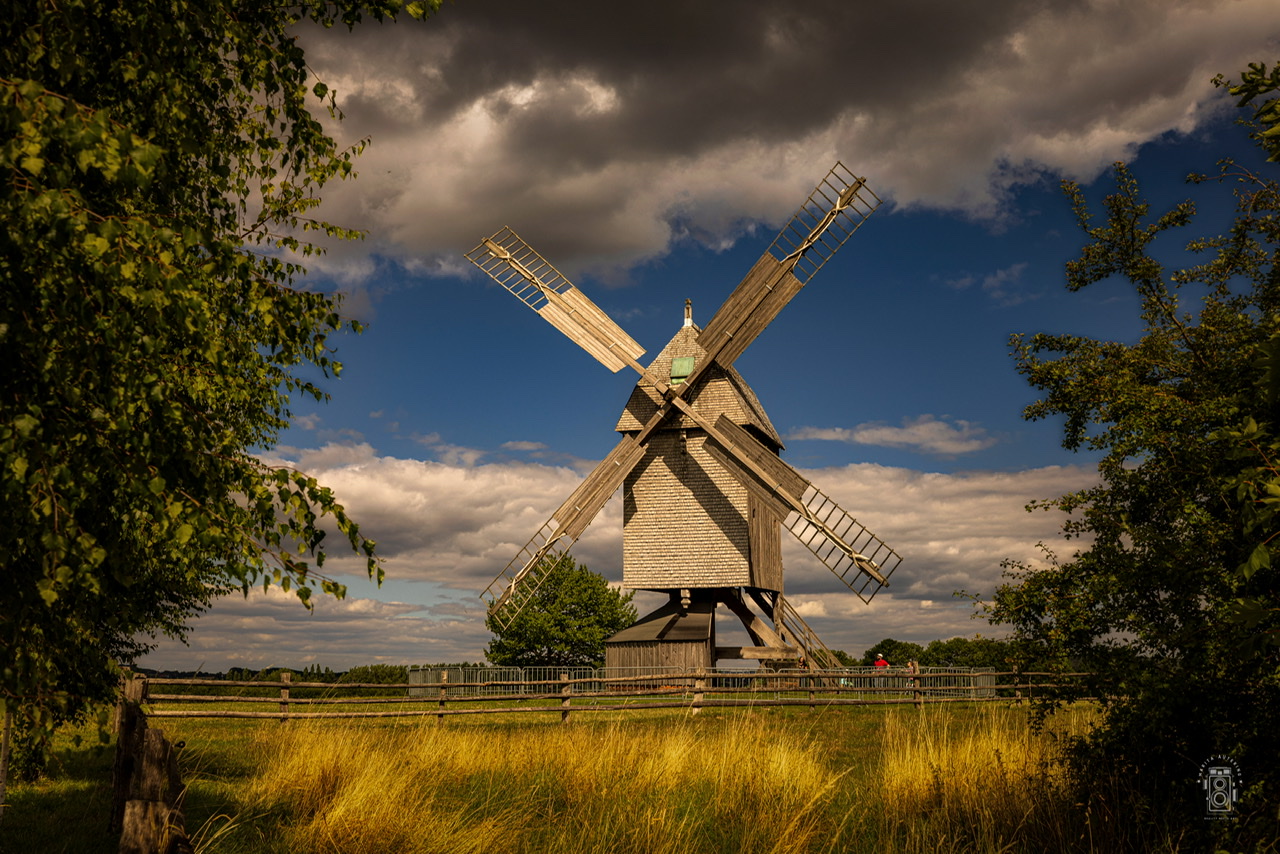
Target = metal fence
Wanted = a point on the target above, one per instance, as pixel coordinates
(868, 683)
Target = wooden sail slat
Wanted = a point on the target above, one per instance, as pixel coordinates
(766, 496)
(586, 325)
(773, 302)
(780, 478)
(515, 265)
(519, 581)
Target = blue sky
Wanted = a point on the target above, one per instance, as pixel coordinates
(462, 420)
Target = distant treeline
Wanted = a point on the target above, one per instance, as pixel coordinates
(380, 674)
(384, 674)
(955, 652)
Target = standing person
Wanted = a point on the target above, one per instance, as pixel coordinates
(882, 667)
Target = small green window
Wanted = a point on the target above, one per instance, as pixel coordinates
(681, 367)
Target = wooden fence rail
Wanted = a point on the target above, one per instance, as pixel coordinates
(694, 690)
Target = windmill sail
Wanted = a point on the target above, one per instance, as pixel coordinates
(515, 265)
(857, 557)
(519, 581)
(837, 207)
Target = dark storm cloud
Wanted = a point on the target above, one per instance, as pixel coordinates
(603, 132)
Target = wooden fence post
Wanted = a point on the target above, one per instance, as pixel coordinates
(564, 703)
(128, 725)
(444, 694)
(4, 757)
(914, 668)
(286, 678)
(152, 822)
(146, 784)
(699, 685)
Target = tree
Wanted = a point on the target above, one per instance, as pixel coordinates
(967, 652)
(160, 159)
(845, 659)
(566, 622)
(1171, 599)
(896, 652)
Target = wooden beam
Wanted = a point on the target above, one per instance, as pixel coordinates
(758, 653)
(752, 306)
(755, 626)
(583, 322)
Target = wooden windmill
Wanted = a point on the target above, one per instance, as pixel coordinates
(706, 494)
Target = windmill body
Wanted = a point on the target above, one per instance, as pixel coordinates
(687, 522)
(705, 493)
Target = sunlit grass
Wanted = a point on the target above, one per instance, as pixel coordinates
(611, 787)
(954, 778)
(986, 782)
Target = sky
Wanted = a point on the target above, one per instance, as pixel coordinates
(651, 152)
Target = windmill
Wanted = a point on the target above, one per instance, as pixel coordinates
(705, 491)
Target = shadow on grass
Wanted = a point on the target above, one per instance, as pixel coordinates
(67, 811)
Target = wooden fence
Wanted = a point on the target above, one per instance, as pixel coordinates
(436, 694)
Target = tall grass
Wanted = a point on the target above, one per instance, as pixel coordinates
(667, 787)
(930, 780)
(984, 782)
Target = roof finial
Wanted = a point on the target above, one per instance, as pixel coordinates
(688, 312)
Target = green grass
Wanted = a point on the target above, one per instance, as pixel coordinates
(952, 778)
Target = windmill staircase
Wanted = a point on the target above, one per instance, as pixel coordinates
(817, 656)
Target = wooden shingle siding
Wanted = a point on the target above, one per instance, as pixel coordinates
(684, 518)
(687, 521)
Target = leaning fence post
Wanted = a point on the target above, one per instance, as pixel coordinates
(444, 695)
(129, 724)
(4, 756)
(564, 693)
(286, 678)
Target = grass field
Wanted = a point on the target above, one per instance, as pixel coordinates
(951, 778)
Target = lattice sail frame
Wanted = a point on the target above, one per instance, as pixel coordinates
(533, 280)
(844, 199)
(523, 576)
(512, 276)
(869, 552)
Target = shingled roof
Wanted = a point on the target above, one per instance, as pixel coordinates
(719, 390)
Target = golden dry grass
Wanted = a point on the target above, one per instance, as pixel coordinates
(616, 786)
(936, 779)
(985, 782)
